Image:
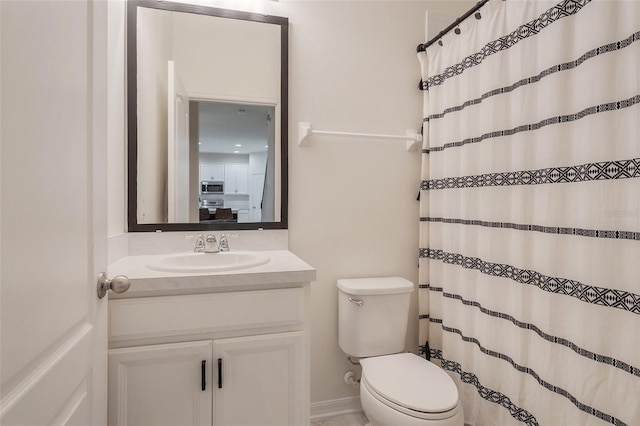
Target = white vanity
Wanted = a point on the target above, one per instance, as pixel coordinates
(228, 347)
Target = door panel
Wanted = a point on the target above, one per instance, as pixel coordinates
(160, 385)
(264, 373)
(51, 393)
(53, 225)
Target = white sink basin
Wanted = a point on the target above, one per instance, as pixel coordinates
(207, 262)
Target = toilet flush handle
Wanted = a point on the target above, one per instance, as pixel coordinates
(356, 301)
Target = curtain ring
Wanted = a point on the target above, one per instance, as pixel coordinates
(440, 42)
(478, 15)
(457, 30)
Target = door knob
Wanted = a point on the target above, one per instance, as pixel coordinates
(119, 284)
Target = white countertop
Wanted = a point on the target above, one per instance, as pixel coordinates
(284, 269)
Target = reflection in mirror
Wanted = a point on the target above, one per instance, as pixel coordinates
(207, 118)
(235, 160)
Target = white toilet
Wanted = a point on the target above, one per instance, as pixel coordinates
(396, 389)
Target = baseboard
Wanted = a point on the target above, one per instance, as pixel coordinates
(335, 407)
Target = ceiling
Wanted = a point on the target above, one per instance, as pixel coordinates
(223, 126)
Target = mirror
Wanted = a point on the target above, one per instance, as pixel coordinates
(207, 118)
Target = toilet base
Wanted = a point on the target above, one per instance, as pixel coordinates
(380, 414)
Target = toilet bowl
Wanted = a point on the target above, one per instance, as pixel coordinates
(396, 388)
(406, 390)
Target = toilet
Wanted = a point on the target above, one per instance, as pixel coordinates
(396, 388)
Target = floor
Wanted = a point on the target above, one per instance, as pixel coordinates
(352, 419)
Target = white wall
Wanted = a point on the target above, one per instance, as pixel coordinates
(353, 210)
(155, 48)
(257, 163)
(208, 157)
(352, 203)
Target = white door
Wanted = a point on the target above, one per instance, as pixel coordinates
(161, 385)
(53, 361)
(257, 188)
(261, 373)
(178, 147)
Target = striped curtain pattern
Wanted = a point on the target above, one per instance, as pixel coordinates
(529, 286)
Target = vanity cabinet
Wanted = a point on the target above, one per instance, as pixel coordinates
(224, 359)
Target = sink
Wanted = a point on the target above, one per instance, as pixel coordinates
(207, 262)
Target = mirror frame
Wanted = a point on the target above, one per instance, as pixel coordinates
(132, 117)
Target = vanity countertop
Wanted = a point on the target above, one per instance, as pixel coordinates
(284, 269)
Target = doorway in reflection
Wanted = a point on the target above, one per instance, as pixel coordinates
(233, 165)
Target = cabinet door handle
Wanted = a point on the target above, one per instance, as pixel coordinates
(203, 380)
(219, 373)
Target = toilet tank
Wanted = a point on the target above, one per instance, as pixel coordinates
(373, 315)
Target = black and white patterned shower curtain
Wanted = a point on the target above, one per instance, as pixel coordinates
(530, 212)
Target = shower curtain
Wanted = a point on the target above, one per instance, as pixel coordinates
(530, 212)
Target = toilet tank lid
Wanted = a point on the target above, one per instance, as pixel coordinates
(371, 286)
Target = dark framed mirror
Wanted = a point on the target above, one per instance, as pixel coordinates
(207, 107)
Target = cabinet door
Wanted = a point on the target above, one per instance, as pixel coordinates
(262, 381)
(161, 385)
(242, 179)
(243, 215)
(235, 181)
(211, 172)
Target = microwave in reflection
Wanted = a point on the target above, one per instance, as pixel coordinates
(211, 187)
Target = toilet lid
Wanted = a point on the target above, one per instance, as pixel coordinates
(411, 382)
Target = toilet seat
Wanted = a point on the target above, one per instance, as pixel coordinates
(411, 385)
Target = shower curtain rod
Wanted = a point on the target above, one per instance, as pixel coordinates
(422, 47)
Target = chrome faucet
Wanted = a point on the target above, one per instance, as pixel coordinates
(200, 245)
(210, 244)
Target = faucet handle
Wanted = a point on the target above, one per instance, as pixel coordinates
(224, 242)
(199, 242)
